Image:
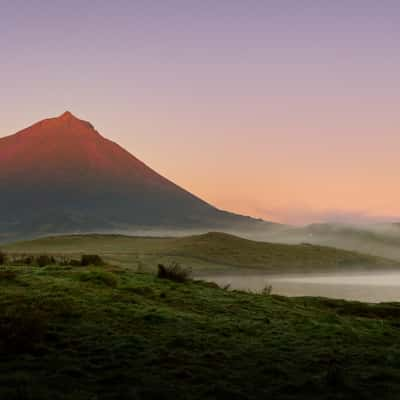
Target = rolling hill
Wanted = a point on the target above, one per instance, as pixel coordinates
(215, 251)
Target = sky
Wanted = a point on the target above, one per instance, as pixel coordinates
(286, 110)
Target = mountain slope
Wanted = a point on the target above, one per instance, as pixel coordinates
(61, 175)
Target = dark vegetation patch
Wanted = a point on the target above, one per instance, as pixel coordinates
(22, 328)
(73, 263)
(91, 259)
(174, 272)
(8, 275)
(44, 260)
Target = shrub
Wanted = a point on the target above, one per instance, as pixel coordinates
(173, 272)
(28, 260)
(44, 260)
(21, 260)
(91, 259)
(3, 258)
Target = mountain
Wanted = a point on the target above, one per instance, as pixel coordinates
(60, 175)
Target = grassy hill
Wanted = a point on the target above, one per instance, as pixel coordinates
(74, 333)
(216, 251)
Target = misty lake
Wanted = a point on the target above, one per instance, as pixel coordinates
(369, 287)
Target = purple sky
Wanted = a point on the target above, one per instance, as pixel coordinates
(287, 110)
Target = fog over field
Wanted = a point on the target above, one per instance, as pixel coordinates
(380, 239)
(376, 239)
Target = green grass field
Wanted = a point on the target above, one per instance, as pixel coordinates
(76, 333)
(212, 251)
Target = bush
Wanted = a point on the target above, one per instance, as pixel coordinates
(28, 260)
(173, 272)
(16, 259)
(91, 259)
(3, 258)
(44, 260)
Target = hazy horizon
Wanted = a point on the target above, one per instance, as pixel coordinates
(278, 110)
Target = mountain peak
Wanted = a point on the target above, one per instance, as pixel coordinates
(69, 119)
(67, 115)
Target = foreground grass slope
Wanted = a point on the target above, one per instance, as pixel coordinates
(89, 333)
(202, 252)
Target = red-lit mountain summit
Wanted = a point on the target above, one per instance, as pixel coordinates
(61, 175)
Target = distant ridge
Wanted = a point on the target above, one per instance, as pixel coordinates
(61, 176)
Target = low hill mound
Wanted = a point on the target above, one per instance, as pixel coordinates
(212, 250)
